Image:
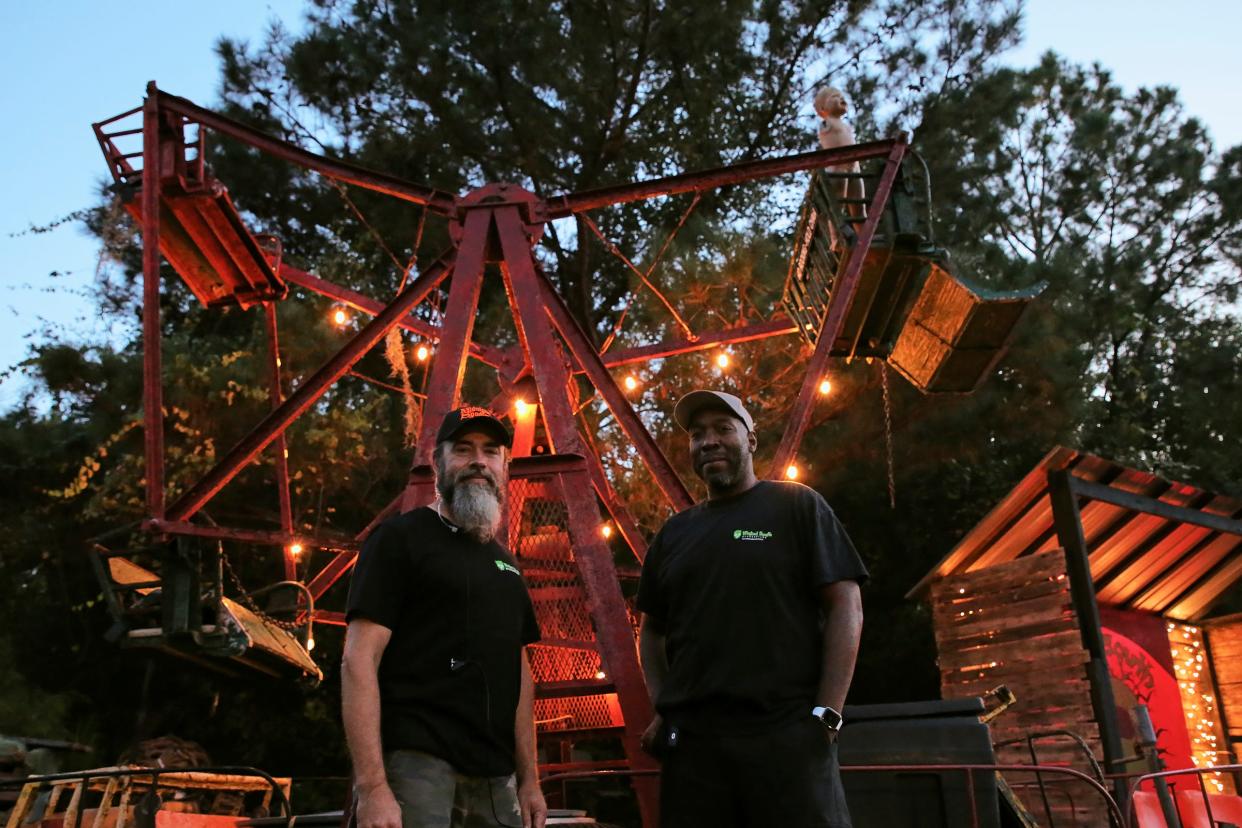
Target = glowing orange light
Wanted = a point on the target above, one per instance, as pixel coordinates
(340, 317)
(521, 407)
(722, 360)
(630, 383)
(296, 549)
(825, 387)
(310, 644)
(422, 353)
(792, 472)
(601, 674)
(606, 530)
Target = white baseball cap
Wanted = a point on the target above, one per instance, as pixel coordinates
(695, 401)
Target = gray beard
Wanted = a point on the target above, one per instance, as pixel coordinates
(476, 509)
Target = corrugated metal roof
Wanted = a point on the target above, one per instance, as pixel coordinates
(1139, 560)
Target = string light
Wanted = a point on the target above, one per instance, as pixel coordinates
(825, 387)
(722, 360)
(340, 317)
(792, 471)
(1198, 702)
(296, 549)
(310, 644)
(600, 674)
(422, 353)
(631, 383)
(606, 530)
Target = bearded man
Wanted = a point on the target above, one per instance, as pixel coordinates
(436, 690)
(751, 616)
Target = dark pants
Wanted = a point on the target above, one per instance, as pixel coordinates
(787, 776)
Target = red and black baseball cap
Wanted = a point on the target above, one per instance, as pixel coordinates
(473, 418)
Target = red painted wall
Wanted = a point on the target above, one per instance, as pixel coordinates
(1141, 667)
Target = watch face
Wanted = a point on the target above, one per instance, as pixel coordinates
(831, 719)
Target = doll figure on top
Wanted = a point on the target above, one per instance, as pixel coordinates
(830, 105)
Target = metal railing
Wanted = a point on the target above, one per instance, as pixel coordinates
(968, 771)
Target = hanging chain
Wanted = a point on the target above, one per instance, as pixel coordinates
(888, 435)
(247, 601)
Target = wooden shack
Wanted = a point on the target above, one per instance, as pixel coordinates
(1087, 591)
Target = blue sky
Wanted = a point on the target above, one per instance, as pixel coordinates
(72, 62)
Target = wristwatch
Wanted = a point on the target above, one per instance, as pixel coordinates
(829, 718)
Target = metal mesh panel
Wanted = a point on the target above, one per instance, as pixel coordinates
(538, 523)
(563, 664)
(539, 540)
(578, 713)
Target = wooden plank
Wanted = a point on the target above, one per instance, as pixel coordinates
(952, 616)
(1013, 616)
(1018, 675)
(1020, 591)
(1052, 625)
(1024, 569)
(1009, 627)
(1062, 646)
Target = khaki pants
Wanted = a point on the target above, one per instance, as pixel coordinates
(433, 795)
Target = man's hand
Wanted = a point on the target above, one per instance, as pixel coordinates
(530, 802)
(377, 807)
(651, 734)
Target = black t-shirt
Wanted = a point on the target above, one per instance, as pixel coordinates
(733, 585)
(460, 614)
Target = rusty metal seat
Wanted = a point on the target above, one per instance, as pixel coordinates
(940, 332)
(202, 626)
(203, 237)
(201, 233)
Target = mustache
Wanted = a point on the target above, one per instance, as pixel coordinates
(476, 471)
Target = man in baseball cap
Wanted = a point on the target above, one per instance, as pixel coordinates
(436, 690)
(692, 403)
(755, 592)
(473, 418)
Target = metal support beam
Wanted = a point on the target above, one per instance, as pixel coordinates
(152, 381)
(591, 555)
(280, 450)
(565, 205)
(1159, 508)
(1068, 522)
(584, 353)
(626, 525)
(435, 200)
(780, 326)
(838, 306)
(444, 383)
(352, 298)
(258, 536)
(275, 423)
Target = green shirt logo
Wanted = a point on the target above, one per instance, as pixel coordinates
(748, 535)
(504, 567)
